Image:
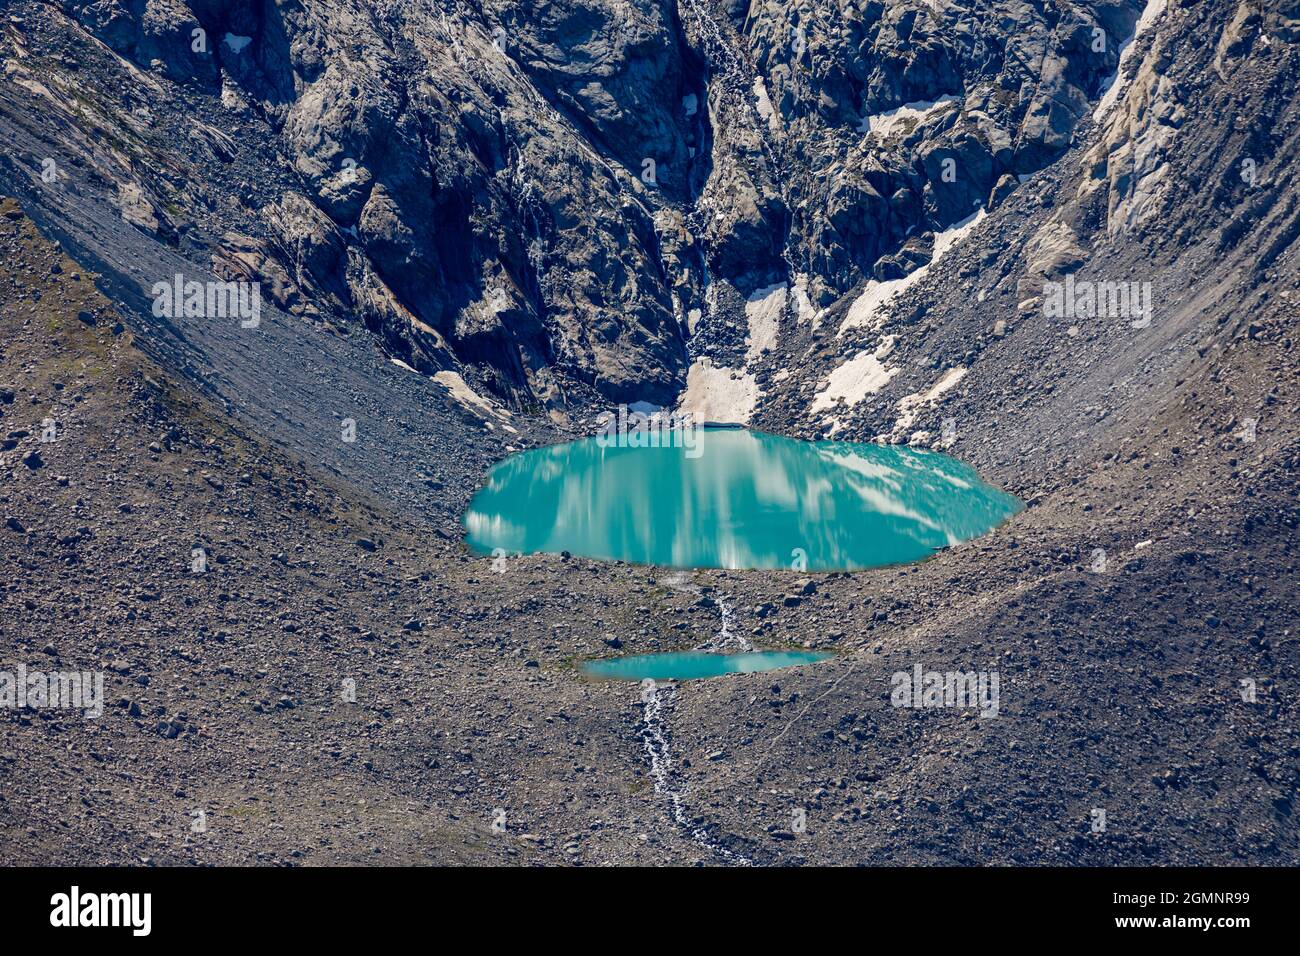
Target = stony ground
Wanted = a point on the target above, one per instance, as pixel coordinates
(227, 690)
(341, 681)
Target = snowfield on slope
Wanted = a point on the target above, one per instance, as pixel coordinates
(718, 394)
(877, 295)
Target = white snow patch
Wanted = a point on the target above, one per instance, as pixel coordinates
(763, 311)
(803, 307)
(863, 375)
(876, 295)
(884, 125)
(237, 43)
(948, 238)
(462, 393)
(764, 105)
(716, 394)
(1150, 14)
(910, 406)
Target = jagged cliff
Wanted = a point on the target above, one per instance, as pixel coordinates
(560, 195)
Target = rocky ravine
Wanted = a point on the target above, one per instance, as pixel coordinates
(1122, 690)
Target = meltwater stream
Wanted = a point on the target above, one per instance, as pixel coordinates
(727, 499)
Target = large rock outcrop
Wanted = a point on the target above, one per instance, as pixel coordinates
(557, 196)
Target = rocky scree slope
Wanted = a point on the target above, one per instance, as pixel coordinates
(332, 685)
(226, 688)
(1123, 688)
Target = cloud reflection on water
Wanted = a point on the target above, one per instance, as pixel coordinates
(747, 502)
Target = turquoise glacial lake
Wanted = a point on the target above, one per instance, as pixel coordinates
(736, 499)
(690, 665)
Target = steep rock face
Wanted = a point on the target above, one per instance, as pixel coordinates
(620, 72)
(858, 138)
(1179, 188)
(482, 228)
(558, 196)
(901, 118)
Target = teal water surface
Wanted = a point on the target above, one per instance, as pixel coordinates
(690, 665)
(739, 499)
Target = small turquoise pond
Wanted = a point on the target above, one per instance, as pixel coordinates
(690, 665)
(736, 499)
